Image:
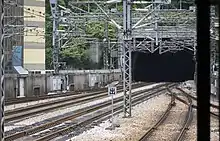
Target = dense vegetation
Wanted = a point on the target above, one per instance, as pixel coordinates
(76, 55)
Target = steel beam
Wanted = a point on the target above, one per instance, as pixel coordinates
(127, 42)
(2, 87)
(181, 17)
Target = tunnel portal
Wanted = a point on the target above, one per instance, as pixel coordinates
(166, 67)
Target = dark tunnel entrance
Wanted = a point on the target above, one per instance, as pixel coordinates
(166, 67)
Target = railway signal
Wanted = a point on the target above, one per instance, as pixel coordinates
(112, 91)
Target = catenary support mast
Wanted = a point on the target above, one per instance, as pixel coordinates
(127, 40)
(2, 87)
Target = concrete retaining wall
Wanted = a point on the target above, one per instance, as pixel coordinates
(41, 84)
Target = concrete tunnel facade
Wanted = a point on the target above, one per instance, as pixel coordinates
(166, 67)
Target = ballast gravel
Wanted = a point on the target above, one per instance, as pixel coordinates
(191, 134)
(144, 115)
(62, 111)
(190, 87)
(172, 125)
(214, 129)
(20, 105)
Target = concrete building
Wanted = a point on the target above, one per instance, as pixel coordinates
(13, 42)
(25, 43)
(34, 38)
(95, 51)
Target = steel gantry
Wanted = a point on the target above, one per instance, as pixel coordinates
(152, 24)
(82, 16)
(2, 87)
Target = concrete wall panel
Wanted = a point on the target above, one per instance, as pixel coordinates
(10, 86)
(45, 82)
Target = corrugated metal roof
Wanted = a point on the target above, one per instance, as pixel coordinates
(21, 70)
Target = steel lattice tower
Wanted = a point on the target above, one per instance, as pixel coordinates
(150, 25)
(127, 40)
(2, 68)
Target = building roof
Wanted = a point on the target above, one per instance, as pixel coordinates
(21, 70)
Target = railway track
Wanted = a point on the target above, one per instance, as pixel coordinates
(191, 106)
(139, 96)
(160, 121)
(195, 106)
(11, 101)
(19, 113)
(188, 120)
(63, 130)
(195, 98)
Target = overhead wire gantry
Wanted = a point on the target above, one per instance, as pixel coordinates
(151, 24)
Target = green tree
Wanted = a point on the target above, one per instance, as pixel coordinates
(48, 36)
(75, 54)
(185, 3)
(97, 30)
(62, 2)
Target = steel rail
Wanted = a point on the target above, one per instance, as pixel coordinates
(19, 113)
(195, 106)
(194, 98)
(159, 122)
(11, 101)
(165, 115)
(188, 120)
(68, 129)
(76, 114)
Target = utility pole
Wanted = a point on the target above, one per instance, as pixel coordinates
(2, 87)
(127, 43)
(53, 6)
(106, 47)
